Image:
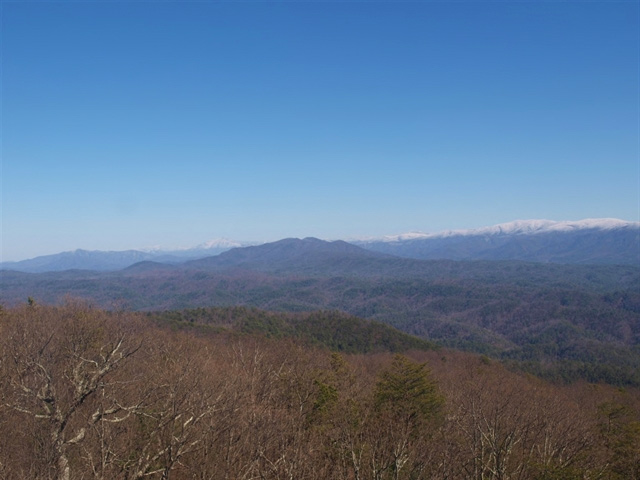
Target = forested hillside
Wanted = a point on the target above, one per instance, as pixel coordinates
(94, 394)
(563, 322)
(333, 330)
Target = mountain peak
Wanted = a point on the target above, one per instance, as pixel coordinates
(291, 254)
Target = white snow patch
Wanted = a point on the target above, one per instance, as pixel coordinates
(218, 243)
(517, 227)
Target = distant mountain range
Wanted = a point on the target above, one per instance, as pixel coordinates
(592, 241)
(103, 261)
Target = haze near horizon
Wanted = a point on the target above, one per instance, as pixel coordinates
(132, 124)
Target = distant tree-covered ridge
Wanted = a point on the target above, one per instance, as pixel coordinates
(330, 329)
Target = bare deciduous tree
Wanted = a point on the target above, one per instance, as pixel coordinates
(56, 364)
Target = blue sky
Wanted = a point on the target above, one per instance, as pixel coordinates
(132, 124)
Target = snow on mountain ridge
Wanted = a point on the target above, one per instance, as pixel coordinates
(518, 227)
(218, 243)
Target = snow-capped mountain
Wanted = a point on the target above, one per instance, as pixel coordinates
(219, 243)
(517, 227)
(215, 244)
(602, 240)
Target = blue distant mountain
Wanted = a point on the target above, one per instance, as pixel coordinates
(592, 241)
(79, 260)
(102, 261)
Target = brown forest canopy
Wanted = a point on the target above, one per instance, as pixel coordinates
(559, 321)
(91, 394)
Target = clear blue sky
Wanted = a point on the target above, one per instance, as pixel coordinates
(131, 124)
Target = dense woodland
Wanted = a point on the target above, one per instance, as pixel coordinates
(561, 322)
(87, 393)
(333, 330)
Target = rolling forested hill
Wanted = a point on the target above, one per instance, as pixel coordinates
(536, 315)
(333, 330)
